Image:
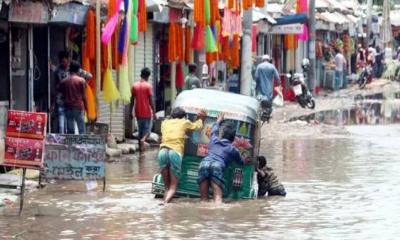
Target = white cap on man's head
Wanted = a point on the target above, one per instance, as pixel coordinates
(266, 57)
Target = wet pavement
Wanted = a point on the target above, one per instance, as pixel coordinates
(342, 183)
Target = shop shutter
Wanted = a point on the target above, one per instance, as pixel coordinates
(114, 118)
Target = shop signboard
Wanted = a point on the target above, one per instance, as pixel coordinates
(69, 13)
(74, 157)
(296, 28)
(28, 12)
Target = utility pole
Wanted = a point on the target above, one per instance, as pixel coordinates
(311, 44)
(369, 23)
(246, 60)
(98, 53)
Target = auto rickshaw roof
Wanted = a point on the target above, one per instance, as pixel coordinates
(235, 106)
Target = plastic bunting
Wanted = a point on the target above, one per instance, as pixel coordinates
(111, 24)
(210, 41)
(235, 51)
(198, 37)
(172, 48)
(91, 104)
(142, 16)
(110, 91)
(124, 86)
(91, 35)
(207, 11)
(122, 37)
(134, 31)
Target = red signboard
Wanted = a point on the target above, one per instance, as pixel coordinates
(23, 152)
(28, 12)
(24, 144)
(26, 124)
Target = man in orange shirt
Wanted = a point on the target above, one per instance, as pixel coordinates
(143, 105)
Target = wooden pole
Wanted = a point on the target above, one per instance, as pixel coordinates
(98, 54)
(21, 200)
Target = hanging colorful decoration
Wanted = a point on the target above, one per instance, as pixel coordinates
(302, 7)
(110, 91)
(124, 84)
(109, 29)
(134, 32)
(142, 16)
(235, 51)
(91, 104)
(198, 41)
(176, 51)
(91, 35)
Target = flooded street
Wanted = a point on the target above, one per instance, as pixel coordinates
(343, 186)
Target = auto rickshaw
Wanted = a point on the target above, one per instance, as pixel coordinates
(240, 181)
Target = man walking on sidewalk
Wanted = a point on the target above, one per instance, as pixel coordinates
(340, 66)
(142, 102)
(265, 75)
(72, 89)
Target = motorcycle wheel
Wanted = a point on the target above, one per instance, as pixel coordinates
(311, 104)
(301, 101)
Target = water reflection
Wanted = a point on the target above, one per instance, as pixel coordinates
(371, 112)
(338, 188)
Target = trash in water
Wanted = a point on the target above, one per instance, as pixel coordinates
(91, 185)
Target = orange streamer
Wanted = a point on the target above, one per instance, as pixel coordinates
(91, 104)
(235, 51)
(247, 4)
(142, 16)
(214, 12)
(199, 16)
(260, 3)
(91, 35)
(85, 60)
(172, 48)
(179, 42)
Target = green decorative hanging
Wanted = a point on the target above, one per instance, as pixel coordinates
(210, 41)
(134, 34)
(135, 8)
(207, 11)
(124, 86)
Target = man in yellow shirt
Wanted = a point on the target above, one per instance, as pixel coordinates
(170, 156)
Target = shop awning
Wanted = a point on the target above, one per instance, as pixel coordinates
(352, 18)
(291, 19)
(321, 4)
(333, 17)
(395, 18)
(258, 15)
(69, 13)
(274, 8)
(28, 12)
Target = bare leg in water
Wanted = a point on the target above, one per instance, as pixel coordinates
(142, 143)
(167, 182)
(204, 191)
(172, 188)
(217, 193)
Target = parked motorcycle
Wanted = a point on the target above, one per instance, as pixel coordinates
(298, 83)
(365, 76)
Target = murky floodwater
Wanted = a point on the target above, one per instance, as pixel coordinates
(339, 187)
